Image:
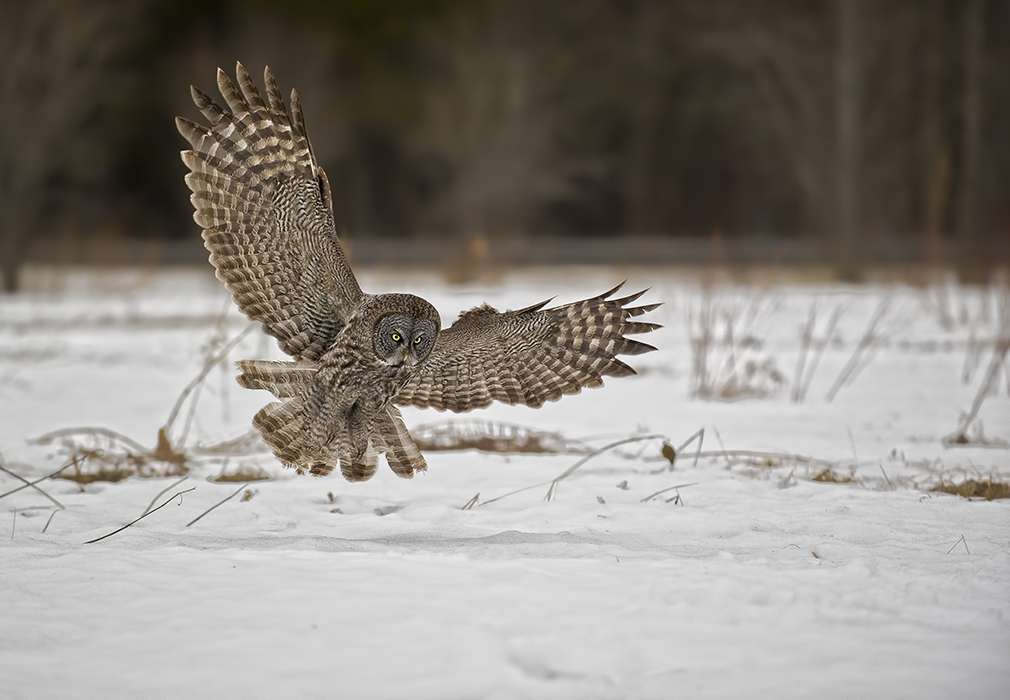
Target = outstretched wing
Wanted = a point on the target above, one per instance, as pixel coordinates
(528, 356)
(265, 208)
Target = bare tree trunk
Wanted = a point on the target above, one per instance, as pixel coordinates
(848, 96)
(52, 55)
(967, 220)
(14, 234)
(934, 156)
(640, 215)
(10, 268)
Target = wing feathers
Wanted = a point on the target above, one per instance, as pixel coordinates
(231, 96)
(297, 118)
(265, 208)
(639, 310)
(285, 380)
(274, 94)
(250, 92)
(529, 356)
(210, 109)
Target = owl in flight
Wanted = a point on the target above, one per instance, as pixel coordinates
(265, 208)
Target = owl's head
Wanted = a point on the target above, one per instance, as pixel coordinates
(406, 330)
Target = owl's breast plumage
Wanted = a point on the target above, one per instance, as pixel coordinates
(351, 369)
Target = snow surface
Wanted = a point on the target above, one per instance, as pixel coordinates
(756, 582)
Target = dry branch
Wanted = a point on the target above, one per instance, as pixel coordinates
(50, 437)
(959, 542)
(723, 329)
(32, 484)
(167, 488)
(118, 530)
(802, 379)
(219, 503)
(668, 488)
(960, 436)
(571, 470)
(208, 365)
(805, 339)
(51, 516)
(866, 343)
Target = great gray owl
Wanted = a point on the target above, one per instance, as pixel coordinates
(267, 216)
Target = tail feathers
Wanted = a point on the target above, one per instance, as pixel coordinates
(402, 454)
(360, 468)
(285, 380)
(285, 428)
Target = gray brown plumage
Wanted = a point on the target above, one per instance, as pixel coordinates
(265, 207)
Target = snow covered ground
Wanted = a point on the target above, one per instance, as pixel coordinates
(803, 556)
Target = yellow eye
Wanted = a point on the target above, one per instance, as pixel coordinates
(396, 337)
(417, 340)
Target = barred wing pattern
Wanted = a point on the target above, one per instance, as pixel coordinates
(528, 356)
(266, 211)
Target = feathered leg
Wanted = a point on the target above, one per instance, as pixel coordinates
(401, 452)
(358, 458)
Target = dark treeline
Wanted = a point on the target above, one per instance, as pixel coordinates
(843, 121)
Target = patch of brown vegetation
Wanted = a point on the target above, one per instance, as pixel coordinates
(244, 473)
(830, 476)
(492, 436)
(971, 488)
(107, 456)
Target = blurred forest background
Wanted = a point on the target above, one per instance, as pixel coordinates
(840, 132)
